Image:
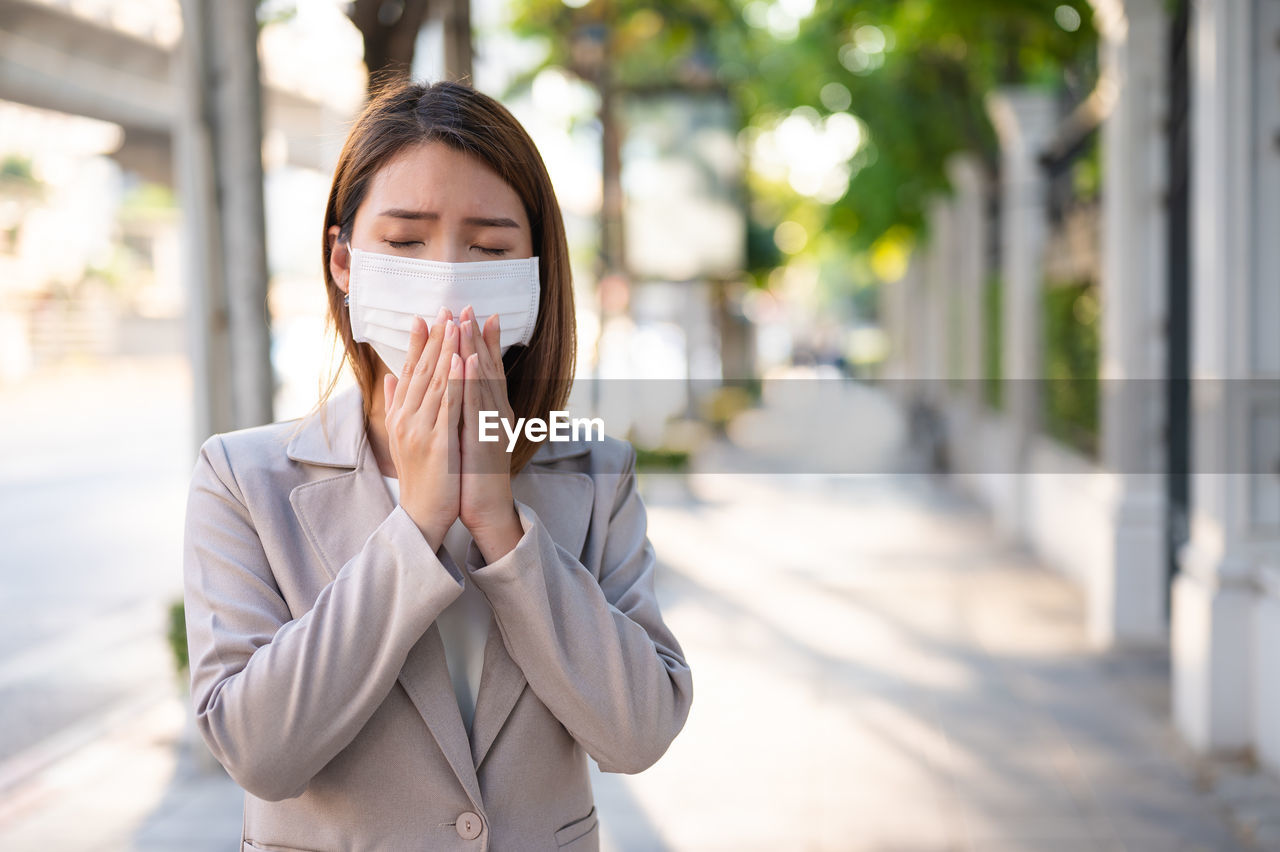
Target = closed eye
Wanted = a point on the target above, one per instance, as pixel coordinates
(406, 244)
(493, 252)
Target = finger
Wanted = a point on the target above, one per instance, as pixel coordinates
(418, 337)
(483, 349)
(447, 417)
(388, 391)
(428, 352)
(491, 365)
(493, 337)
(486, 390)
(439, 381)
(469, 338)
(467, 350)
(473, 397)
(470, 397)
(418, 376)
(482, 399)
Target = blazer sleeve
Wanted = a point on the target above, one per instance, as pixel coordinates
(277, 697)
(597, 653)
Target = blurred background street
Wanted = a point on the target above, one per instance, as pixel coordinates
(945, 334)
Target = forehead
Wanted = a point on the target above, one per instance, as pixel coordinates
(434, 177)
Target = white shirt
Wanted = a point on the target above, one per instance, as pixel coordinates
(464, 624)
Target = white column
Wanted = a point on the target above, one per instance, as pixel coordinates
(1226, 606)
(939, 279)
(1024, 119)
(1126, 594)
(967, 209)
(969, 239)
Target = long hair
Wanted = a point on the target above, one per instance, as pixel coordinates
(400, 114)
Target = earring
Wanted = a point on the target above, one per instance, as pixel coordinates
(346, 300)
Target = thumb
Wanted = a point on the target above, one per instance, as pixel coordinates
(388, 390)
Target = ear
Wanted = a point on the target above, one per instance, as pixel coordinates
(339, 259)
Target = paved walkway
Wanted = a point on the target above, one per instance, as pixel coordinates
(873, 670)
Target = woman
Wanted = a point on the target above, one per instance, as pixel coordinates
(401, 636)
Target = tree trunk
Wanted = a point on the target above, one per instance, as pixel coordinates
(390, 33)
(457, 40)
(220, 176)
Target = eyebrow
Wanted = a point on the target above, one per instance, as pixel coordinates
(483, 221)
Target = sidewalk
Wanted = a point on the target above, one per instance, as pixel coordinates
(873, 670)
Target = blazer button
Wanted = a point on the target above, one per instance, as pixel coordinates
(469, 825)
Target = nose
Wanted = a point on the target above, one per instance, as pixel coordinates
(449, 247)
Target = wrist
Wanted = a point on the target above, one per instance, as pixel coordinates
(498, 535)
(433, 531)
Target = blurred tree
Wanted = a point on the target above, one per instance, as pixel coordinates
(219, 156)
(15, 170)
(913, 72)
(621, 48)
(390, 31)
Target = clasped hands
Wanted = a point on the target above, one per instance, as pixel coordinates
(446, 472)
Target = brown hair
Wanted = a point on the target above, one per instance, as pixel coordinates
(401, 113)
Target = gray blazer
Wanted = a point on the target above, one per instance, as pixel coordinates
(318, 674)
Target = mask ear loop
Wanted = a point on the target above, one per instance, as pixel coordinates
(346, 297)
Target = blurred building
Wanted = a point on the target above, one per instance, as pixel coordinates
(1106, 362)
(91, 106)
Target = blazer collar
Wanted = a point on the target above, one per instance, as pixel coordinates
(333, 436)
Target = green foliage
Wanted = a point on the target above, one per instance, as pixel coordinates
(659, 459)
(729, 400)
(177, 636)
(149, 196)
(270, 12)
(650, 45)
(915, 72)
(992, 343)
(922, 96)
(18, 181)
(17, 168)
(1071, 356)
(762, 251)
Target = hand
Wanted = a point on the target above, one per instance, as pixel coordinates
(423, 407)
(487, 507)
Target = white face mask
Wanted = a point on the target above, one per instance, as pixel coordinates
(386, 291)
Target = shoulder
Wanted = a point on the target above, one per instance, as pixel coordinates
(613, 455)
(254, 442)
(602, 455)
(254, 448)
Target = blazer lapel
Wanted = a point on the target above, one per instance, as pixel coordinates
(339, 514)
(562, 500)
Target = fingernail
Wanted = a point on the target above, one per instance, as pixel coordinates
(466, 329)
(453, 365)
(440, 314)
